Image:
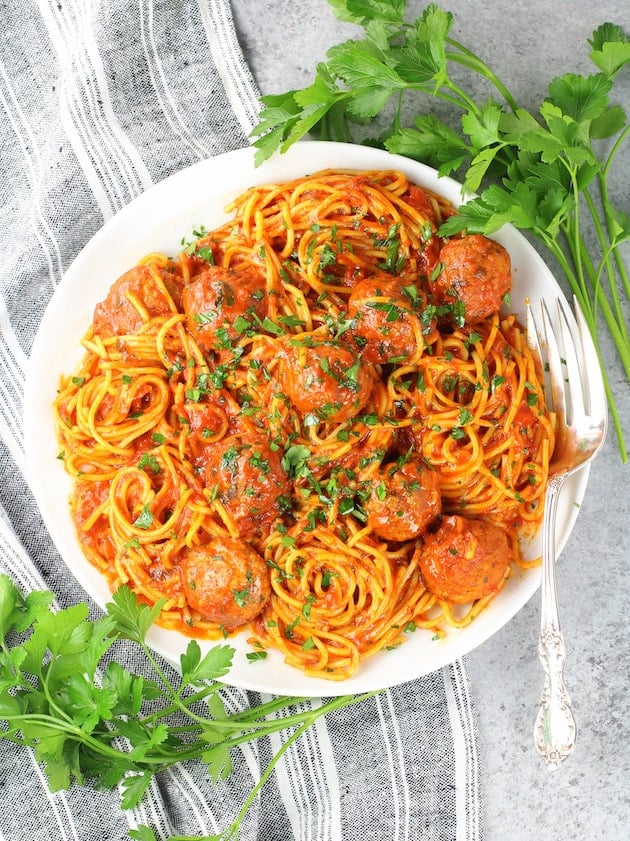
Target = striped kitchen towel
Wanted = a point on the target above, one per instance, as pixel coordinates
(99, 101)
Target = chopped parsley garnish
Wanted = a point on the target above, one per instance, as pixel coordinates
(229, 459)
(145, 519)
(149, 462)
(254, 656)
(241, 597)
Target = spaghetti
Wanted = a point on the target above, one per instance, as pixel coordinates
(300, 422)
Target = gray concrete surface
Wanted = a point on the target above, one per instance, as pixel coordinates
(527, 43)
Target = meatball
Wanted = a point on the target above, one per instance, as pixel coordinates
(325, 380)
(215, 299)
(403, 501)
(476, 271)
(151, 286)
(226, 581)
(385, 325)
(465, 559)
(249, 480)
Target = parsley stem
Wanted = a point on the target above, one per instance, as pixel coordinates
(232, 830)
(170, 691)
(44, 679)
(249, 733)
(164, 712)
(613, 152)
(460, 100)
(467, 100)
(575, 237)
(589, 315)
(600, 302)
(471, 60)
(268, 708)
(338, 702)
(246, 718)
(307, 719)
(609, 209)
(396, 125)
(606, 263)
(58, 726)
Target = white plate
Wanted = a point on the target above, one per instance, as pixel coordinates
(157, 221)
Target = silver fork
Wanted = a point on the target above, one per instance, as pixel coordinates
(576, 394)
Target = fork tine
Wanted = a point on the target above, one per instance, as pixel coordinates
(597, 406)
(531, 329)
(554, 364)
(574, 366)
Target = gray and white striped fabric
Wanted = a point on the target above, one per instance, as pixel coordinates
(100, 100)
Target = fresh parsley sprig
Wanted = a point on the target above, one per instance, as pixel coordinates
(542, 172)
(90, 721)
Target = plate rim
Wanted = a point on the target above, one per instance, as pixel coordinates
(244, 674)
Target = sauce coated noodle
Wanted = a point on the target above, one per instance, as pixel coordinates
(314, 421)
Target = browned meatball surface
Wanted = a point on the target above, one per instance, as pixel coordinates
(226, 581)
(385, 325)
(325, 380)
(403, 501)
(465, 559)
(151, 287)
(215, 299)
(248, 478)
(476, 271)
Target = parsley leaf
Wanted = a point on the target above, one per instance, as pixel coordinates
(197, 670)
(133, 617)
(93, 722)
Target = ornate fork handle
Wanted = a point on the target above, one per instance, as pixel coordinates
(555, 729)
